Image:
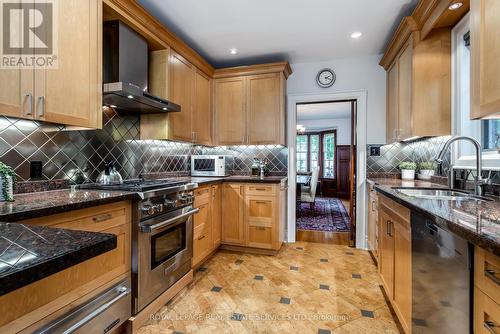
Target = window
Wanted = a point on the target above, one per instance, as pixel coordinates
(302, 153)
(329, 155)
(314, 159)
(487, 132)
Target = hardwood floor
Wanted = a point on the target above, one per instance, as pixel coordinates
(323, 237)
(305, 288)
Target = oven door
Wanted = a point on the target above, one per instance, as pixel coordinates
(165, 253)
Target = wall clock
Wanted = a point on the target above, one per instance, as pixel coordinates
(326, 78)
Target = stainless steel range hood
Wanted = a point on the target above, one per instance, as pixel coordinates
(125, 73)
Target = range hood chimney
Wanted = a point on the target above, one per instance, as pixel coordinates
(125, 73)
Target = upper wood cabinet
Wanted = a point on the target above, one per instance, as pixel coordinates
(71, 93)
(250, 104)
(172, 77)
(485, 55)
(230, 115)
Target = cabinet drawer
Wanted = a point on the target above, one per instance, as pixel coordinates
(486, 314)
(487, 273)
(203, 215)
(261, 209)
(260, 189)
(260, 236)
(202, 243)
(201, 195)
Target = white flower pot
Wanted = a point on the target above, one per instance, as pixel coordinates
(426, 174)
(7, 183)
(407, 174)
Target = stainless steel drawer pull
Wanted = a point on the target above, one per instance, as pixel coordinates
(260, 228)
(260, 189)
(30, 99)
(491, 275)
(489, 326)
(201, 238)
(102, 218)
(41, 101)
(261, 202)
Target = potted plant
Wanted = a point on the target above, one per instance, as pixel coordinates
(7, 179)
(426, 170)
(408, 170)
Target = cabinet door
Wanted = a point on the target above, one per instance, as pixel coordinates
(233, 224)
(485, 53)
(404, 93)
(202, 109)
(71, 94)
(230, 114)
(216, 215)
(264, 112)
(402, 268)
(386, 262)
(486, 313)
(202, 243)
(181, 92)
(261, 221)
(392, 103)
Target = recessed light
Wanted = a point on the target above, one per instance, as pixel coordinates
(233, 51)
(164, 108)
(130, 96)
(356, 34)
(455, 5)
(113, 106)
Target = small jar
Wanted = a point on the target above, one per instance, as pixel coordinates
(255, 167)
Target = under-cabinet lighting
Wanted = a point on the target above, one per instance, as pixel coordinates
(455, 6)
(356, 34)
(130, 96)
(233, 51)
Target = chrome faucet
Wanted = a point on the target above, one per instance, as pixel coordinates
(479, 182)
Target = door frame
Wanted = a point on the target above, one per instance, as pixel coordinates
(360, 96)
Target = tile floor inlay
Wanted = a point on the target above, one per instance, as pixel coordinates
(247, 305)
(324, 287)
(259, 277)
(323, 260)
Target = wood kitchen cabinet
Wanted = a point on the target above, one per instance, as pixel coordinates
(42, 298)
(395, 258)
(173, 78)
(373, 225)
(207, 222)
(485, 52)
(70, 93)
(233, 224)
(418, 83)
(486, 291)
(253, 217)
(250, 104)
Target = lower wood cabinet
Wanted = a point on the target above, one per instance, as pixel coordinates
(207, 222)
(233, 225)
(395, 258)
(252, 216)
(25, 306)
(373, 227)
(486, 292)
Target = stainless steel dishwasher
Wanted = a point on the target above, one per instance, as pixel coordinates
(441, 279)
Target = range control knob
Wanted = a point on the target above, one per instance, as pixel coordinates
(147, 210)
(158, 208)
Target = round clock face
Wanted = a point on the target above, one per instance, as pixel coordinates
(326, 78)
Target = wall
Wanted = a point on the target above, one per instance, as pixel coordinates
(79, 156)
(352, 74)
(343, 127)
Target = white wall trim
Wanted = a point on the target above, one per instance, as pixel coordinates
(361, 97)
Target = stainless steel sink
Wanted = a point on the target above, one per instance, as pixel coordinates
(444, 194)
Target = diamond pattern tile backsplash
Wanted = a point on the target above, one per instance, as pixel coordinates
(425, 149)
(79, 155)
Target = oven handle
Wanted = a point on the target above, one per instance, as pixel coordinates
(152, 228)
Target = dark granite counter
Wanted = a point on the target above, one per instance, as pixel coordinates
(204, 180)
(31, 205)
(30, 253)
(476, 221)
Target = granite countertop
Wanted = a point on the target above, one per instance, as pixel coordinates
(201, 180)
(31, 205)
(29, 253)
(476, 221)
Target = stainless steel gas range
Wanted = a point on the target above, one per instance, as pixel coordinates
(162, 235)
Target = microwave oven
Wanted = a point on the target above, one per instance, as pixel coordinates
(208, 165)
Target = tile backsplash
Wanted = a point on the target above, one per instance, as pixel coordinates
(425, 149)
(79, 155)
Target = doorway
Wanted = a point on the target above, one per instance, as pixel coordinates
(359, 209)
(325, 153)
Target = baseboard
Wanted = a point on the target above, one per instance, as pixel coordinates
(135, 322)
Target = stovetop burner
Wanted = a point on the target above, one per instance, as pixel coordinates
(137, 185)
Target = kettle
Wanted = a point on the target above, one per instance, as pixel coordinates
(109, 175)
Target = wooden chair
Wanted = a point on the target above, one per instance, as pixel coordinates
(309, 197)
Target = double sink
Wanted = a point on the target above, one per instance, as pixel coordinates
(442, 194)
